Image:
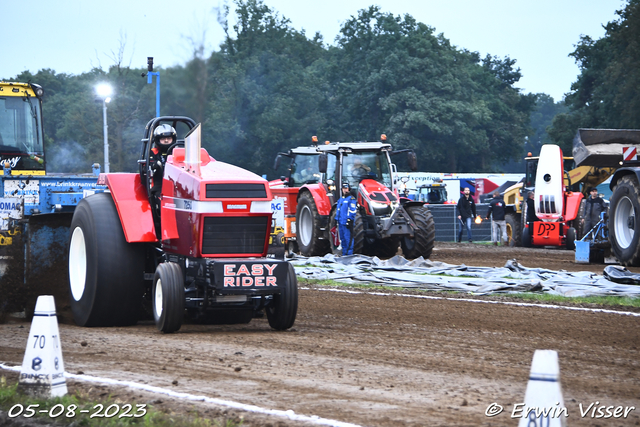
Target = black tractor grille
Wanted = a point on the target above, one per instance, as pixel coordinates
(236, 191)
(234, 235)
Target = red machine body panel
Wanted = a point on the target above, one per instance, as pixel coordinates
(373, 191)
(289, 194)
(187, 211)
(130, 198)
(290, 197)
(572, 205)
(548, 233)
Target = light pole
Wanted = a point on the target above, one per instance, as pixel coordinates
(104, 91)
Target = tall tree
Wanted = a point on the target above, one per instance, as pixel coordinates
(265, 93)
(392, 74)
(605, 94)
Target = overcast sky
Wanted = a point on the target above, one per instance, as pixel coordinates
(72, 36)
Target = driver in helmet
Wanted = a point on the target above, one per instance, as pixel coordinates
(163, 137)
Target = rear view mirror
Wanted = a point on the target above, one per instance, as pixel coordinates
(322, 163)
(276, 163)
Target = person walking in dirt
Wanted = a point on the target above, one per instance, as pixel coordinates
(498, 224)
(593, 207)
(466, 212)
(345, 216)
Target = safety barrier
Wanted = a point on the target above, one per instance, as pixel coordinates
(447, 224)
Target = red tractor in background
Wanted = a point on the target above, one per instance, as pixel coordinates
(556, 207)
(384, 220)
(201, 251)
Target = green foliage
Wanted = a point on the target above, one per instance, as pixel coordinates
(603, 302)
(606, 92)
(267, 93)
(270, 87)
(393, 75)
(611, 301)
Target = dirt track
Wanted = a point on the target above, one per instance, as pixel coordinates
(371, 359)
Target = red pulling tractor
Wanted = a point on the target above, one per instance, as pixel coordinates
(200, 251)
(384, 220)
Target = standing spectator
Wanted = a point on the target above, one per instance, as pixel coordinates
(592, 209)
(345, 216)
(496, 212)
(531, 208)
(466, 212)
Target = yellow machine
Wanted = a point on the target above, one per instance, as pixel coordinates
(276, 237)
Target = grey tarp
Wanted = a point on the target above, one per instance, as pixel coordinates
(434, 275)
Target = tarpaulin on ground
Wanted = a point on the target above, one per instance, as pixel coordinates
(439, 276)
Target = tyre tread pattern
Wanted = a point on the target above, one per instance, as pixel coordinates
(282, 312)
(317, 246)
(425, 235)
(115, 268)
(170, 274)
(627, 186)
(516, 227)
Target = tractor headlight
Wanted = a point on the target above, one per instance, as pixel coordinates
(379, 208)
(378, 205)
(261, 206)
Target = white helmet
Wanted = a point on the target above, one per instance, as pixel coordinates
(164, 131)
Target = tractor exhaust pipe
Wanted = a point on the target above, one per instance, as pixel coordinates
(192, 144)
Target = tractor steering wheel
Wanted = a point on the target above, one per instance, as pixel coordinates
(171, 147)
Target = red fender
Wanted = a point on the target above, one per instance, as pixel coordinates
(133, 206)
(319, 193)
(572, 205)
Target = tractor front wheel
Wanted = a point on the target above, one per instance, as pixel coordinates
(282, 311)
(424, 236)
(514, 232)
(106, 274)
(168, 297)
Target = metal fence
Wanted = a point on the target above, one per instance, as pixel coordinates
(448, 226)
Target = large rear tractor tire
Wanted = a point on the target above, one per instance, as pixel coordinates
(308, 228)
(424, 238)
(168, 297)
(514, 230)
(282, 311)
(106, 274)
(358, 234)
(623, 221)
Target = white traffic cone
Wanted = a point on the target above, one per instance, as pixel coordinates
(42, 372)
(543, 401)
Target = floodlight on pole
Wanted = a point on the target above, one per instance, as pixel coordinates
(104, 91)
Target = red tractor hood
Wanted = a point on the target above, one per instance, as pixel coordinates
(371, 190)
(193, 186)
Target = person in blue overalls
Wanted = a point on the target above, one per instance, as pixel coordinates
(345, 216)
